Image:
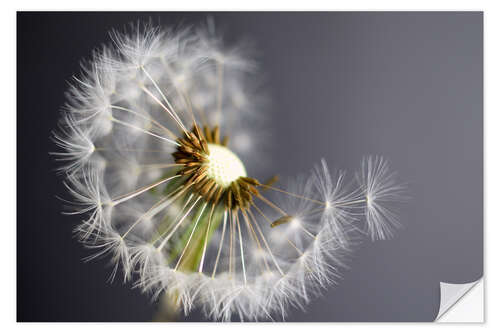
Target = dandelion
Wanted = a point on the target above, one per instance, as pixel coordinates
(149, 158)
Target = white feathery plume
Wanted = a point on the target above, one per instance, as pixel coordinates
(342, 201)
(380, 188)
(108, 242)
(76, 144)
(89, 197)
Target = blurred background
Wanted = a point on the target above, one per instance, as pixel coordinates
(408, 86)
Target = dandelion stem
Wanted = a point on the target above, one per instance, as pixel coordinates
(190, 236)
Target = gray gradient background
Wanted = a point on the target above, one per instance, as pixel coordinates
(408, 86)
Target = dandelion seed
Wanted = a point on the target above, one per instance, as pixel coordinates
(380, 188)
(147, 137)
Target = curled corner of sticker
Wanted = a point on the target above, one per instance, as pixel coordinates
(461, 303)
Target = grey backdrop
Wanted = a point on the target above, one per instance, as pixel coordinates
(408, 86)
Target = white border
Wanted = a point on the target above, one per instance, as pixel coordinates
(8, 157)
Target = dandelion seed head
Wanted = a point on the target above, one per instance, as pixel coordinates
(153, 137)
